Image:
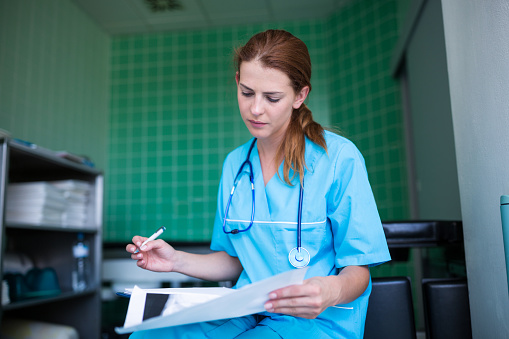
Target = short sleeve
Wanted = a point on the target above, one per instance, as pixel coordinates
(359, 238)
(220, 240)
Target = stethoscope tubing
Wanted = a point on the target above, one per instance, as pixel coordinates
(299, 216)
(235, 182)
(299, 256)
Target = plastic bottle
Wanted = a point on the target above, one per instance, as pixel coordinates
(80, 273)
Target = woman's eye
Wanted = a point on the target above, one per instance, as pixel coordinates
(247, 94)
(273, 99)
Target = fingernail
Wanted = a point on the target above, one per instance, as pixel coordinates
(268, 306)
(272, 296)
(144, 247)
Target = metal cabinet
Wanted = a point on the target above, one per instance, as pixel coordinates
(49, 245)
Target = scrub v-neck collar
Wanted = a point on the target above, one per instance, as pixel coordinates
(311, 154)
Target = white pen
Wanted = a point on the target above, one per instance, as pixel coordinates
(152, 237)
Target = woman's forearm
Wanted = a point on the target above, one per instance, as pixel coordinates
(353, 282)
(216, 266)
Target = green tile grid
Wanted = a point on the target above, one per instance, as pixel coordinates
(365, 99)
(174, 116)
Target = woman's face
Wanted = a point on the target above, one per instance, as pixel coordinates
(266, 100)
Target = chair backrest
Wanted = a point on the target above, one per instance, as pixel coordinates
(446, 308)
(390, 310)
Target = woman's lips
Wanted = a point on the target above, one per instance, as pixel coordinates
(255, 123)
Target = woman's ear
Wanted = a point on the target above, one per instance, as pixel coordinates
(301, 96)
(237, 78)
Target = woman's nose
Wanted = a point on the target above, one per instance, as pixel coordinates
(257, 107)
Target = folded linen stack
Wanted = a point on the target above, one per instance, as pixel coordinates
(76, 193)
(34, 203)
(60, 203)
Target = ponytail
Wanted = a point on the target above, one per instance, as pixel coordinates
(293, 146)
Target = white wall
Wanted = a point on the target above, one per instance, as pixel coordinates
(54, 77)
(477, 47)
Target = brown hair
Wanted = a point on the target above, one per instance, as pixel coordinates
(281, 50)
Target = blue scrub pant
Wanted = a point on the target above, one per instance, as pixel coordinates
(248, 327)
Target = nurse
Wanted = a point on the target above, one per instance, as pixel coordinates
(312, 206)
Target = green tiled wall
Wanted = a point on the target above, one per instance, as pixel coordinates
(365, 99)
(174, 116)
(366, 104)
(54, 72)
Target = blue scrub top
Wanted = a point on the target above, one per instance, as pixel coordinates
(340, 223)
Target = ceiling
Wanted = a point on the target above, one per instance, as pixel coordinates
(118, 17)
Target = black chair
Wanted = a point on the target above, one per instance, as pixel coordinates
(446, 308)
(390, 310)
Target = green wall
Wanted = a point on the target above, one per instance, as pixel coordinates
(365, 99)
(173, 112)
(54, 77)
(174, 116)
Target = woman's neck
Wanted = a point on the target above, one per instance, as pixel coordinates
(267, 152)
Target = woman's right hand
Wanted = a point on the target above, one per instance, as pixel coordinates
(159, 256)
(156, 255)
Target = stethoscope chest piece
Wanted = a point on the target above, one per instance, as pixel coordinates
(299, 257)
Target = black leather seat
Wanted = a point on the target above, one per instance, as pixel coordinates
(390, 311)
(446, 308)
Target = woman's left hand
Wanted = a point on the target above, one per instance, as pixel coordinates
(318, 293)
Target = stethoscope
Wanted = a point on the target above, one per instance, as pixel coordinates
(299, 257)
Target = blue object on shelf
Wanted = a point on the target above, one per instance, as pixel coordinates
(504, 211)
(36, 283)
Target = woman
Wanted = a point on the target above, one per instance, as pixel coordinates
(296, 166)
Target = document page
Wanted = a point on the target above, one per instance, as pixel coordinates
(165, 307)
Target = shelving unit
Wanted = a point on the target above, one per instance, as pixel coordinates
(51, 245)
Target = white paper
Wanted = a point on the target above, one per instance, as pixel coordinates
(226, 303)
(180, 298)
